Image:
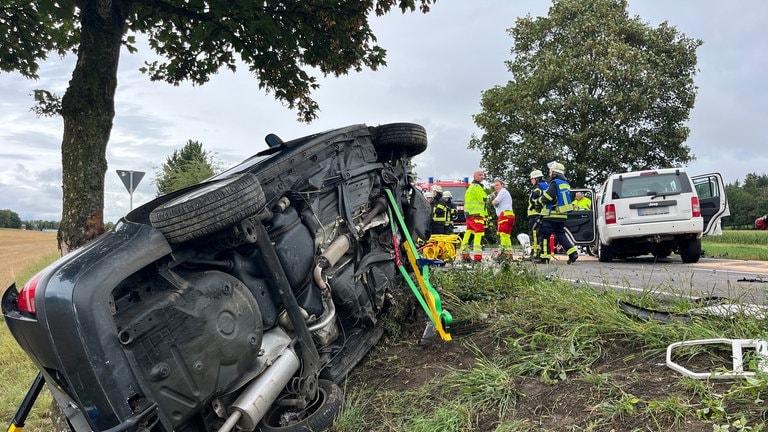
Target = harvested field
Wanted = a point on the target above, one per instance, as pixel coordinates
(20, 249)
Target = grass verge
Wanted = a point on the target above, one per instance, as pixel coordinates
(574, 345)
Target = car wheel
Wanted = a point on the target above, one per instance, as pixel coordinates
(317, 416)
(604, 253)
(690, 251)
(397, 140)
(208, 209)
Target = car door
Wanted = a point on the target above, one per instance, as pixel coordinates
(581, 223)
(713, 201)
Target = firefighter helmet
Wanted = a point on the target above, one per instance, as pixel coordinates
(556, 167)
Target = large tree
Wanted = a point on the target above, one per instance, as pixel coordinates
(190, 165)
(592, 88)
(276, 39)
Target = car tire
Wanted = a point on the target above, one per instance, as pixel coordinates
(397, 140)
(209, 208)
(690, 251)
(604, 253)
(317, 416)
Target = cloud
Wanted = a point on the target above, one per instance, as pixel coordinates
(437, 66)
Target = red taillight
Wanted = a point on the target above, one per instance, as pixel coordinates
(27, 295)
(610, 214)
(695, 207)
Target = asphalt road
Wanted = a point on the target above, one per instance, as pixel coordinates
(742, 281)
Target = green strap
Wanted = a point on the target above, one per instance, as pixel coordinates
(424, 270)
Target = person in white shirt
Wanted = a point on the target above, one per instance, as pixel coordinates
(502, 203)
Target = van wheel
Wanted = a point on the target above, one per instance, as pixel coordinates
(690, 250)
(398, 140)
(604, 253)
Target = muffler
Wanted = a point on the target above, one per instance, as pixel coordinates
(258, 396)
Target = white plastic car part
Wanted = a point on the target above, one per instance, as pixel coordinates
(525, 242)
(737, 353)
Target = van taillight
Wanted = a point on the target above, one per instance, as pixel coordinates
(695, 207)
(610, 214)
(26, 301)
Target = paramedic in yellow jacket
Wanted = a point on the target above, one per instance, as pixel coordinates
(475, 211)
(556, 203)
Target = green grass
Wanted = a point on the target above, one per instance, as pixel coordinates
(740, 245)
(555, 333)
(19, 371)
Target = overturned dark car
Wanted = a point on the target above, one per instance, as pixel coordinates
(239, 303)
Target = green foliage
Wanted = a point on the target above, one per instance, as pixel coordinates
(279, 42)
(9, 219)
(592, 88)
(747, 201)
(39, 224)
(186, 167)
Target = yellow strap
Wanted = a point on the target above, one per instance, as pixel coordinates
(427, 294)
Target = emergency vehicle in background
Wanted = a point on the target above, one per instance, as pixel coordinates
(457, 187)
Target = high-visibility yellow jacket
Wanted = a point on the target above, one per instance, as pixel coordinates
(474, 200)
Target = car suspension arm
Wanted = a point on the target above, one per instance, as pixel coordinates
(309, 355)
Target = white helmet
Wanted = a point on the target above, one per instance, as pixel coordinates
(536, 174)
(437, 188)
(428, 194)
(447, 194)
(556, 167)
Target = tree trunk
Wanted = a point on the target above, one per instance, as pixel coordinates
(88, 108)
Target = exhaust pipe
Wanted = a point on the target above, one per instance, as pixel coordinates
(253, 403)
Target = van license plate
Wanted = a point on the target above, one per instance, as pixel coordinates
(652, 211)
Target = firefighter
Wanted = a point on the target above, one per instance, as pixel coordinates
(429, 196)
(452, 213)
(539, 185)
(475, 210)
(440, 211)
(556, 203)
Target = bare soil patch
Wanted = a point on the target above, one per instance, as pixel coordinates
(20, 249)
(576, 404)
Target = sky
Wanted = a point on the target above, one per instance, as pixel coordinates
(438, 64)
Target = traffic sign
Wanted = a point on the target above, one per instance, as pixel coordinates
(130, 179)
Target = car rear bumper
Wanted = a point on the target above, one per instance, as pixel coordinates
(72, 337)
(610, 233)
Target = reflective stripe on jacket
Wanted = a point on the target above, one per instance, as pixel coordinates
(440, 212)
(538, 189)
(557, 199)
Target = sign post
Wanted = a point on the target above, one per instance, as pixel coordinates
(130, 179)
